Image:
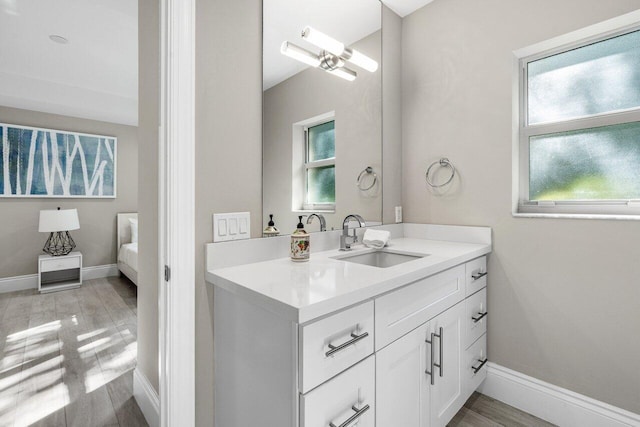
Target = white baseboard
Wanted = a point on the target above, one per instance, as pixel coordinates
(100, 271)
(19, 283)
(552, 403)
(147, 398)
(30, 281)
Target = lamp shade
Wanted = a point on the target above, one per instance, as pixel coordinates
(58, 220)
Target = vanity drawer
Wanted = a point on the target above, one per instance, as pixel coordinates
(476, 275)
(350, 395)
(475, 369)
(476, 317)
(407, 308)
(331, 345)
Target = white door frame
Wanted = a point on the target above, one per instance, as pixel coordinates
(177, 213)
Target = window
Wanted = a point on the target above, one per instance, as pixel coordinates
(579, 126)
(320, 166)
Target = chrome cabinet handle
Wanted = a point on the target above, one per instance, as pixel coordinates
(478, 276)
(355, 339)
(482, 362)
(480, 317)
(353, 417)
(433, 356)
(440, 336)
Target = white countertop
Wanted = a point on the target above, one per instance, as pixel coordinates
(305, 291)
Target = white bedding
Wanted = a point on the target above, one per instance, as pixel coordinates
(129, 255)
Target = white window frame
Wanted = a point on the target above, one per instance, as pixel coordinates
(522, 131)
(299, 165)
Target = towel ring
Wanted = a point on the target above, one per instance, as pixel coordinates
(369, 171)
(445, 163)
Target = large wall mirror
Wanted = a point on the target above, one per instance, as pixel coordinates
(322, 111)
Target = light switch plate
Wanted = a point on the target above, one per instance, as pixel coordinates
(231, 226)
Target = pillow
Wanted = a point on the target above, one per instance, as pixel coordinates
(134, 230)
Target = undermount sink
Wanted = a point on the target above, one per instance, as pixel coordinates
(382, 258)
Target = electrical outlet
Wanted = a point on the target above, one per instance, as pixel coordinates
(398, 214)
(231, 226)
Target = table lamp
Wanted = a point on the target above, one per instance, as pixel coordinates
(58, 223)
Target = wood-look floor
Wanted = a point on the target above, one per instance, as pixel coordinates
(67, 358)
(483, 411)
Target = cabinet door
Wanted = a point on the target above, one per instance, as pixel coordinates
(447, 394)
(402, 386)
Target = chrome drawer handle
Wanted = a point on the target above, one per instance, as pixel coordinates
(355, 339)
(482, 362)
(478, 275)
(353, 417)
(433, 355)
(441, 337)
(479, 318)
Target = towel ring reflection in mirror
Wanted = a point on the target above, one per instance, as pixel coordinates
(444, 163)
(360, 182)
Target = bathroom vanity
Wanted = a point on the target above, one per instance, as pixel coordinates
(338, 341)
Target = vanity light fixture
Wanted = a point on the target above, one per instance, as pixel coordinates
(333, 56)
(337, 48)
(344, 73)
(302, 55)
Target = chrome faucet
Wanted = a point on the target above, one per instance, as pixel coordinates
(347, 240)
(323, 223)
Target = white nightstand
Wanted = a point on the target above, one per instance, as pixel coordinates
(56, 273)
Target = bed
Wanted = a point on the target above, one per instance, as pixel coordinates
(127, 242)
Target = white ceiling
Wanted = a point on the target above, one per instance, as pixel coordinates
(405, 7)
(94, 76)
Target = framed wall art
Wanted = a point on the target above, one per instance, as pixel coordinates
(38, 162)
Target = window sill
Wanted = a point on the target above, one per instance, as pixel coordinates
(577, 216)
(313, 211)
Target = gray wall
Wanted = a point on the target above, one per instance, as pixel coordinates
(564, 295)
(391, 114)
(96, 238)
(358, 113)
(228, 148)
(148, 121)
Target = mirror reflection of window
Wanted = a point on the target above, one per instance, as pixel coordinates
(320, 165)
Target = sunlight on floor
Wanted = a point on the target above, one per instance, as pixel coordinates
(38, 330)
(57, 368)
(88, 335)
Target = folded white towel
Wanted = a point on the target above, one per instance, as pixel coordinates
(375, 238)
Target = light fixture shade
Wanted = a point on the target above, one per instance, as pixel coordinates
(323, 41)
(344, 73)
(302, 55)
(58, 220)
(362, 61)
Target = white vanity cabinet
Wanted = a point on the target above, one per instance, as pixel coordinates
(423, 377)
(419, 379)
(271, 371)
(475, 344)
(409, 357)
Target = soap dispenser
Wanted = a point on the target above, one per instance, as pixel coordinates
(271, 230)
(300, 243)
